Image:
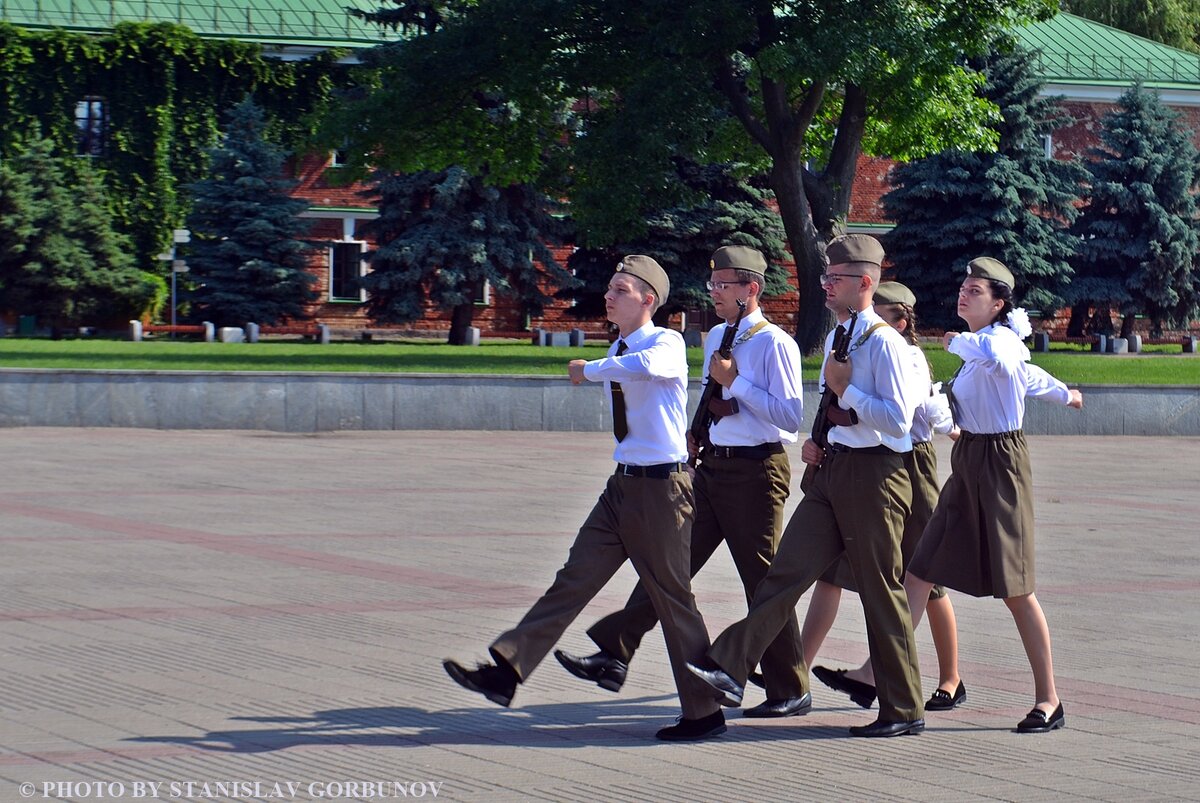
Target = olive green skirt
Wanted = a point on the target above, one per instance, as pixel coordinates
(980, 538)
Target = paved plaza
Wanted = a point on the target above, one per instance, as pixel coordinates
(214, 615)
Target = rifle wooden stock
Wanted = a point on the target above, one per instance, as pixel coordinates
(829, 414)
(703, 419)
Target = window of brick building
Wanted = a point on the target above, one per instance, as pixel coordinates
(483, 292)
(346, 271)
(89, 126)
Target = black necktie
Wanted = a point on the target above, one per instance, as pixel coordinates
(620, 425)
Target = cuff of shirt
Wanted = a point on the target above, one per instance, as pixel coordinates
(853, 397)
(740, 388)
(590, 369)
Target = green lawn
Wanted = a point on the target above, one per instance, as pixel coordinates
(1162, 365)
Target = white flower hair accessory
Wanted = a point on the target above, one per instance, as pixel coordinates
(1018, 321)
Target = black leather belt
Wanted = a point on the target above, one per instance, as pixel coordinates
(841, 448)
(760, 452)
(661, 471)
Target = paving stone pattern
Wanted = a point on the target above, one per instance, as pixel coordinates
(241, 611)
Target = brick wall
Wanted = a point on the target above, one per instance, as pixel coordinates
(503, 315)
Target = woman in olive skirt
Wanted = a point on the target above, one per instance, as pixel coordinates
(980, 538)
(896, 304)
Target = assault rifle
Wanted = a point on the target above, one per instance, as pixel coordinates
(711, 409)
(829, 413)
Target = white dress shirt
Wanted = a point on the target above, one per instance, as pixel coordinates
(767, 387)
(882, 391)
(990, 389)
(933, 410)
(653, 374)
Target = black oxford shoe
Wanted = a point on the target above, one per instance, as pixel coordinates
(496, 683)
(862, 694)
(730, 691)
(879, 728)
(692, 730)
(785, 707)
(1038, 721)
(942, 700)
(600, 668)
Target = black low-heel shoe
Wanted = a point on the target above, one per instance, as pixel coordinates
(942, 701)
(1038, 721)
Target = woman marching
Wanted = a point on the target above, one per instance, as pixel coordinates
(896, 304)
(980, 538)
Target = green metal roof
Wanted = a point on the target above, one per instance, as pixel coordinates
(1075, 50)
(312, 23)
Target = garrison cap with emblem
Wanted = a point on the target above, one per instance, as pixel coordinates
(854, 248)
(738, 257)
(988, 268)
(894, 293)
(649, 272)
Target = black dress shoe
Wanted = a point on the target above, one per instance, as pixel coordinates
(601, 668)
(757, 679)
(784, 707)
(497, 683)
(941, 700)
(1038, 721)
(862, 694)
(691, 730)
(879, 728)
(730, 690)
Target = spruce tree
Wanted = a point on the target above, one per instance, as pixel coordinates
(1138, 228)
(442, 234)
(247, 258)
(723, 209)
(114, 289)
(1015, 204)
(41, 260)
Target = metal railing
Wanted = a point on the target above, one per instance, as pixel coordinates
(1105, 66)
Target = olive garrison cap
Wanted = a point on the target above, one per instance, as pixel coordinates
(854, 248)
(988, 268)
(649, 272)
(738, 257)
(894, 293)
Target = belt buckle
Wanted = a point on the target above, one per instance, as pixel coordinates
(627, 470)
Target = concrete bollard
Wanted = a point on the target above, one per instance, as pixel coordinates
(135, 331)
(558, 339)
(473, 334)
(1189, 344)
(1041, 341)
(1118, 345)
(323, 337)
(537, 337)
(1100, 344)
(1135, 344)
(210, 332)
(577, 338)
(251, 333)
(232, 334)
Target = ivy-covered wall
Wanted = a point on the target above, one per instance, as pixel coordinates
(164, 89)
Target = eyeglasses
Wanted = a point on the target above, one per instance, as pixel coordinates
(722, 285)
(832, 278)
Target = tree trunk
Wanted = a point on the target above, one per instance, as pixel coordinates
(812, 319)
(460, 321)
(1127, 326)
(1079, 320)
(1102, 321)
